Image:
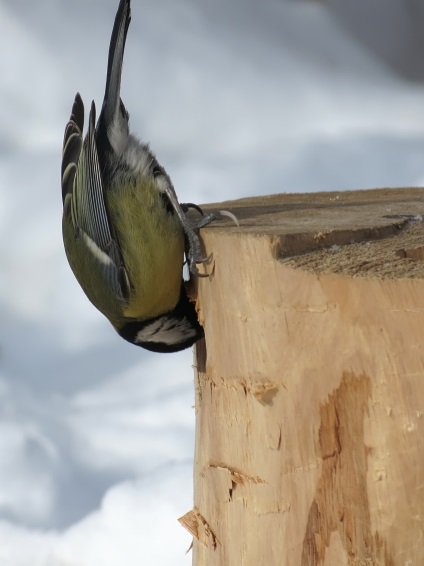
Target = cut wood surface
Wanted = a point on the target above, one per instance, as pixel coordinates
(310, 383)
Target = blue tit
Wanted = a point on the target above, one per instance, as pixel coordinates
(124, 231)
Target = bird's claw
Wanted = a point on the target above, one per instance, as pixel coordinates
(185, 206)
(200, 260)
(194, 255)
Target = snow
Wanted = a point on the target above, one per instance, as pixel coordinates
(236, 99)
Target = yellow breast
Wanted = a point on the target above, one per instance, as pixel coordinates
(152, 244)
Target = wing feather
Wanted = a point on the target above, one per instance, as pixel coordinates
(82, 182)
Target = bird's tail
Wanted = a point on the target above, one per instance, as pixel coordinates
(113, 117)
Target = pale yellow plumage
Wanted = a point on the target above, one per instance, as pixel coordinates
(154, 247)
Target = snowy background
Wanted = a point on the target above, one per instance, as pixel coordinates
(237, 98)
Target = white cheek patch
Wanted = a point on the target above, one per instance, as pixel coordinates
(166, 331)
(99, 254)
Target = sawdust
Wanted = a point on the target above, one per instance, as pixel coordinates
(394, 257)
(367, 233)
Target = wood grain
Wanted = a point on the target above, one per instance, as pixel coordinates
(310, 382)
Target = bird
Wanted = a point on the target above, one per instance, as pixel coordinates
(125, 233)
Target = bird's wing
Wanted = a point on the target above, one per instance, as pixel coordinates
(72, 145)
(83, 197)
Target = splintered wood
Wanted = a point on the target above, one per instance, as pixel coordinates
(197, 525)
(310, 383)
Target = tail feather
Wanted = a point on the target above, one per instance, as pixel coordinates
(113, 119)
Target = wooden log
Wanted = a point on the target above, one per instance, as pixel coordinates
(310, 383)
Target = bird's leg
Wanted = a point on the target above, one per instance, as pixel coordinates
(194, 252)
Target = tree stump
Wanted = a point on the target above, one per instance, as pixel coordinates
(310, 383)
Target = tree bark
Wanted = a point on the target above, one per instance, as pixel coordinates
(310, 383)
